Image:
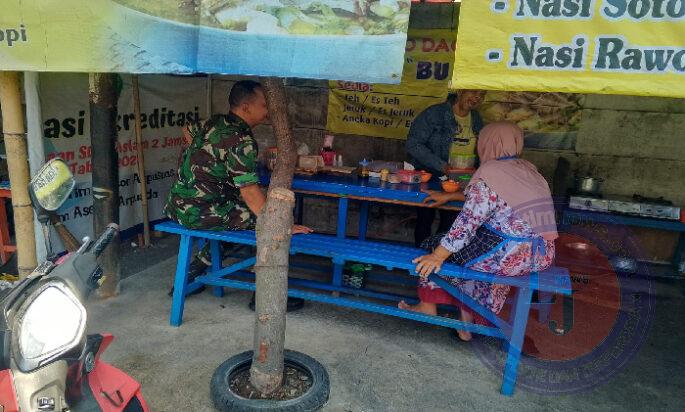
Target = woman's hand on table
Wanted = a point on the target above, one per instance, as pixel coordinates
(301, 229)
(432, 263)
(436, 198)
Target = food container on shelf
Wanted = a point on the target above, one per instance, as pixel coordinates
(310, 163)
(378, 165)
(409, 176)
(588, 185)
(271, 155)
(393, 178)
(328, 156)
(465, 161)
(425, 176)
(463, 180)
(455, 174)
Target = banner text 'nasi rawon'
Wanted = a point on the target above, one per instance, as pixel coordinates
(324, 39)
(634, 47)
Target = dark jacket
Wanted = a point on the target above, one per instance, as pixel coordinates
(430, 136)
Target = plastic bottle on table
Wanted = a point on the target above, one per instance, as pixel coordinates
(364, 168)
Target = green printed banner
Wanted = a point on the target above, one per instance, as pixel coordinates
(325, 39)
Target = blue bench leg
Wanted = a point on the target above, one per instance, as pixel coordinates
(512, 311)
(341, 230)
(679, 253)
(185, 251)
(343, 204)
(217, 256)
(299, 208)
(518, 331)
(338, 266)
(544, 306)
(363, 218)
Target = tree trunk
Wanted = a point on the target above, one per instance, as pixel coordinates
(274, 226)
(103, 97)
(18, 166)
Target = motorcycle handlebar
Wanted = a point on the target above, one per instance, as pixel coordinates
(104, 239)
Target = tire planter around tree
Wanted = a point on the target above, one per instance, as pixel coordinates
(226, 400)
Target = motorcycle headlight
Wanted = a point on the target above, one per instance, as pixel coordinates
(53, 323)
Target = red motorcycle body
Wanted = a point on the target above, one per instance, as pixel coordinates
(92, 384)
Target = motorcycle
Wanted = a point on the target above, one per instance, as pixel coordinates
(47, 362)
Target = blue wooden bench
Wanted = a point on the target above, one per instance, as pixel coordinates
(388, 255)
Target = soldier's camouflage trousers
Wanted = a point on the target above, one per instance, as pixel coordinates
(238, 218)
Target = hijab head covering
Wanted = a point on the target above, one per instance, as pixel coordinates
(516, 181)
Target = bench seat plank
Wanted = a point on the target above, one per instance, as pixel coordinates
(392, 256)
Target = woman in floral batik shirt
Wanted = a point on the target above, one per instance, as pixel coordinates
(492, 233)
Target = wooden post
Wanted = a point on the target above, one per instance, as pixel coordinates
(68, 239)
(103, 97)
(210, 94)
(141, 163)
(18, 166)
(274, 230)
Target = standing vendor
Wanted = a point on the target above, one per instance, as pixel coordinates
(444, 134)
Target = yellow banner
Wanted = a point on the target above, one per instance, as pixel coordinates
(634, 47)
(388, 110)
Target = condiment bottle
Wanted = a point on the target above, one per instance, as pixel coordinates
(364, 168)
(327, 151)
(384, 175)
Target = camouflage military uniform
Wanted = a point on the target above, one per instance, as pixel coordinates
(221, 159)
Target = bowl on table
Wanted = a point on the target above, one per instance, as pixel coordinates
(409, 176)
(450, 186)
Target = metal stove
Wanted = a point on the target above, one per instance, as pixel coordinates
(588, 202)
(636, 205)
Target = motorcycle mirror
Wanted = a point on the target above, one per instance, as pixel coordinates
(52, 185)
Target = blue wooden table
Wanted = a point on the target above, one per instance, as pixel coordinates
(575, 216)
(363, 190)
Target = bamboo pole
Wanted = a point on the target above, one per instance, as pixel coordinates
(36, 147)
(18, 166)
(141, 162)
